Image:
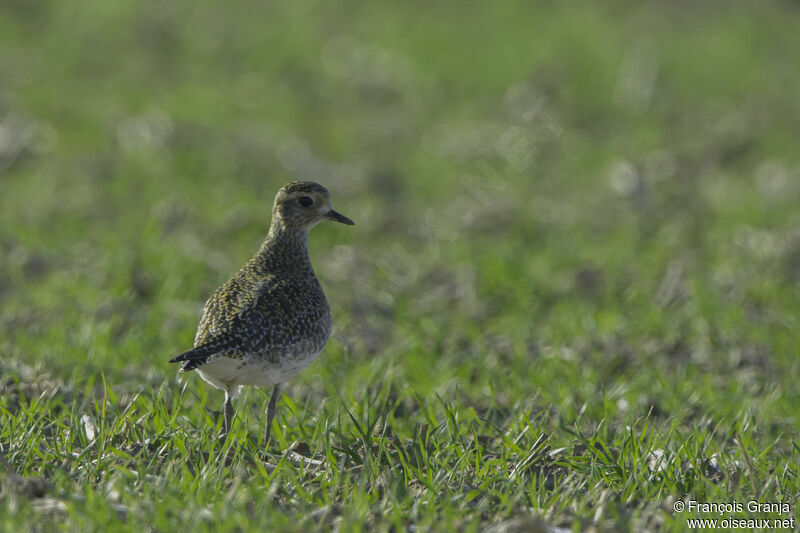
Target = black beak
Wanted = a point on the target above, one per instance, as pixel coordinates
(338, 217)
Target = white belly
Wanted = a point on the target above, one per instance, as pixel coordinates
(230, 374)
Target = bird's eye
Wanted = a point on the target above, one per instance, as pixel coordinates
(305, 201)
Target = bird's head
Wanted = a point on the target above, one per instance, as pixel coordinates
(301, 205)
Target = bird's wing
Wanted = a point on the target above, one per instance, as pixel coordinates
(255, 322)
(221, 309)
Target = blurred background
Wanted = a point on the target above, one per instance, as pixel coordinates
(568, 201)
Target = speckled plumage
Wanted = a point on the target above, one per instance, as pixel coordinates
(268, 322)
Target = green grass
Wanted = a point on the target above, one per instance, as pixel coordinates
(571, 297)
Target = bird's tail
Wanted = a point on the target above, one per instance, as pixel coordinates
(195, 357)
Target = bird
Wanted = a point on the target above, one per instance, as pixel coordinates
(270, 320)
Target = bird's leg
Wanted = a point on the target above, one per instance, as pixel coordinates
(276, 391)
(228, 416)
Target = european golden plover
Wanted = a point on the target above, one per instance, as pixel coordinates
(271, 320)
